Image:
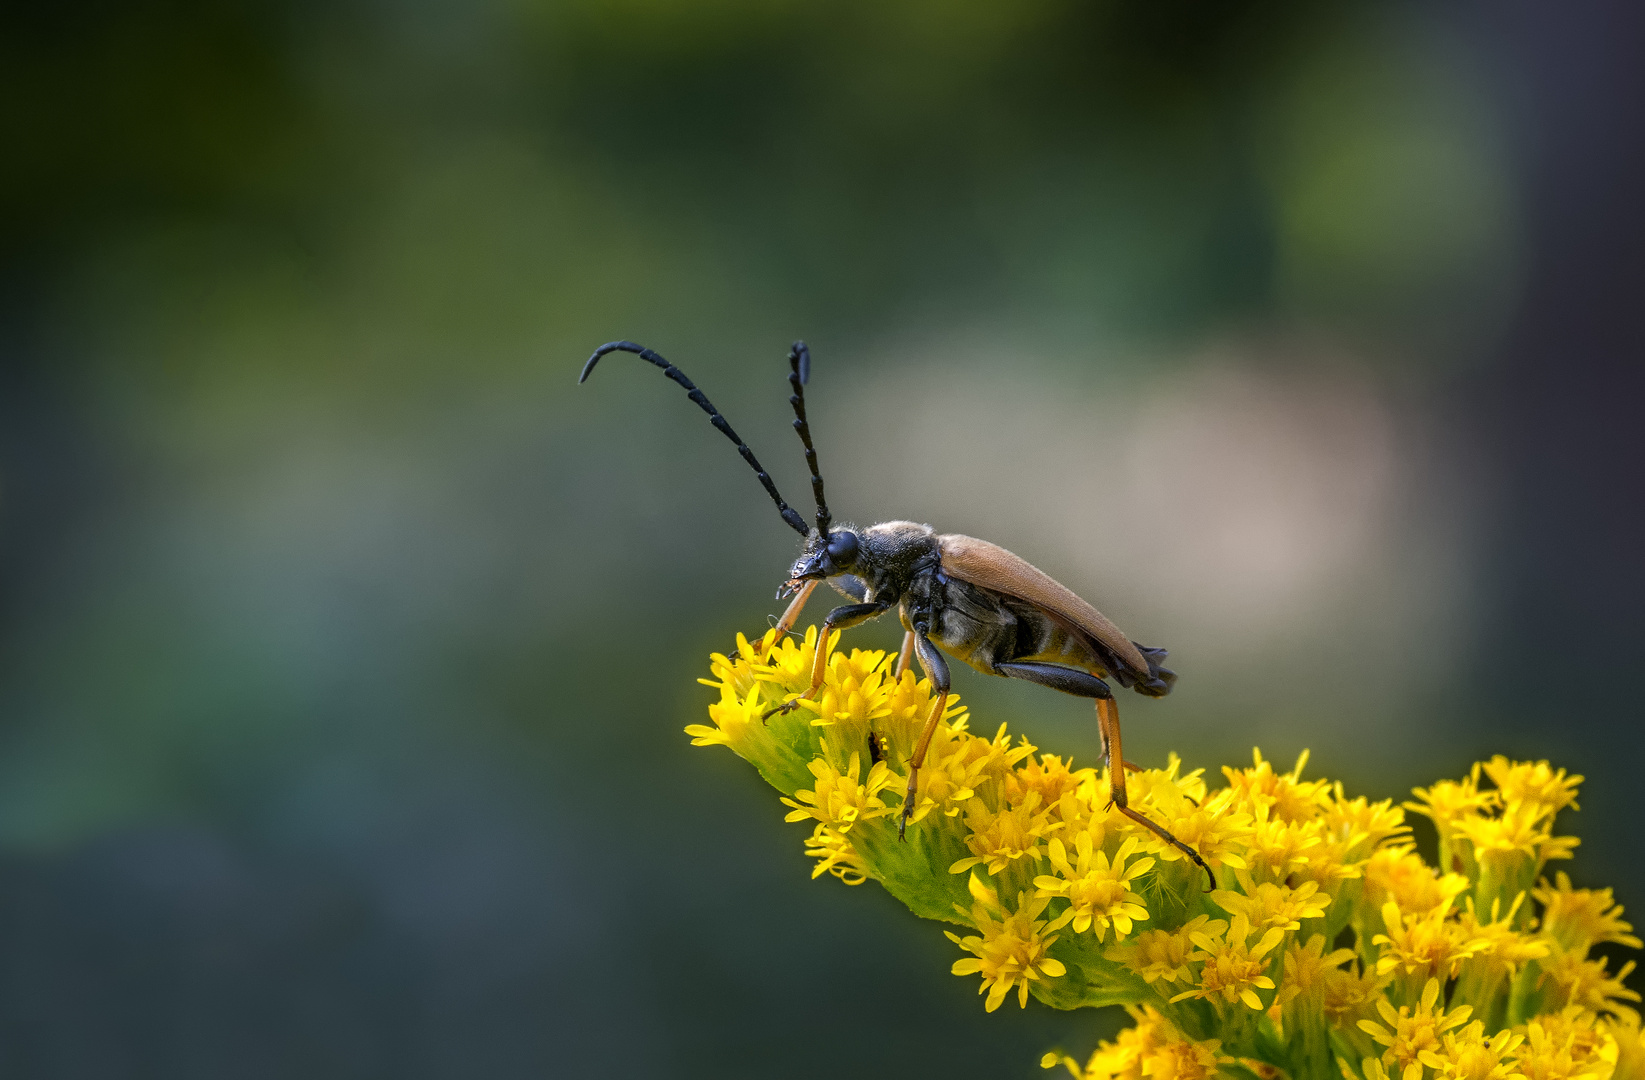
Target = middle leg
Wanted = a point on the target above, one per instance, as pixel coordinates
(906, 656)
(936, 669)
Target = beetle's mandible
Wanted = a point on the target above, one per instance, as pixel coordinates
(955, 594)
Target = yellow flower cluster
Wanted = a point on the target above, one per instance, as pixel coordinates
(1328, 948)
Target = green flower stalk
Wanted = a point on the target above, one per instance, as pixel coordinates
(1328, 949)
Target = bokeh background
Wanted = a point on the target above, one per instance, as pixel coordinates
(345, 643)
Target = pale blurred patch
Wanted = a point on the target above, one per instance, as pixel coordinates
(1268, 522)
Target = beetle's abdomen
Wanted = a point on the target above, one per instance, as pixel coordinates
(982, 628)
(1042, 638)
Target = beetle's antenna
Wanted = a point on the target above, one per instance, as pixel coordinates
(790, 515)
(799, 363)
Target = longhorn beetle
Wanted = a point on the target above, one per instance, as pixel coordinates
(968, 598)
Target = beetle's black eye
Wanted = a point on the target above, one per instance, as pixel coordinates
(842, 548)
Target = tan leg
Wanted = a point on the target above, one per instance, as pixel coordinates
(918, 759)
(1108, 723)
(792, 614)
(841, 618)
(819, 666)
(819, 660)
(905, 657)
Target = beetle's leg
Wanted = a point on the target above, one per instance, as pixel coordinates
(792, 614)
(1084, 684)
(1066, 680)
(936, 669)
(849, 584)
(905, 657)
(1108, 722)
(841, 618)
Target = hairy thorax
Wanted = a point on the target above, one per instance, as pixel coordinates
(893, 554)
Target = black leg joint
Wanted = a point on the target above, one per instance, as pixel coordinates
(936, 668)
(843, 618)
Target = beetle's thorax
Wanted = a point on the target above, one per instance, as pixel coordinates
(892, 554)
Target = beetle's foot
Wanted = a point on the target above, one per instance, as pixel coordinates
(785, 708)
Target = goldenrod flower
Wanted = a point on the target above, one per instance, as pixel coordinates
(1152, 1049)
(1573, 980)
(1497, 942)
(999, 838)
(1277, 848)
(1165, 954)
(1629, 1039)
(1097, 890)
(786, 664)
(1428, 946)
(995, 758)
(1220, 833)
(834, 854)
(951, 774)
(1578, 918)
(1350, 832)
(739, 674)
(1267, 904)
(1351, 995)
(1307, 965)
(1519, 833)
(736, 709)
(1233, 970)
(1057, 785)
(1411, 1032)
(1450, 801)
(857, 691)
(1334, 919)
(1501, 951)
(1533, 785)
(1010, 951)
(1566, 1045)
(1190, 784)
(1284, 796)
(1469, 1055)
(1361, 825)
(1398, 874)
(1306, 969)
(839, 799)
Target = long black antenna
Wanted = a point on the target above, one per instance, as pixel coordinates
(799, 364)
(795, 521)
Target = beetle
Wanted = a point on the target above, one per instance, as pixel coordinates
(954, 594)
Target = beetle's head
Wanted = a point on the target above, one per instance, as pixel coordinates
(825, 556)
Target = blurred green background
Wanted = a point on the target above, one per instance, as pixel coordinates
(347, 643)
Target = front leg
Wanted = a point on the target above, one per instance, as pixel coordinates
(841, 618)
(792, 614)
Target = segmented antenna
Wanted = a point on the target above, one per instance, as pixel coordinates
(799, 363)
(795, 521)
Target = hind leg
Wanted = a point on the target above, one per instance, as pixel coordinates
(1084, 684)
